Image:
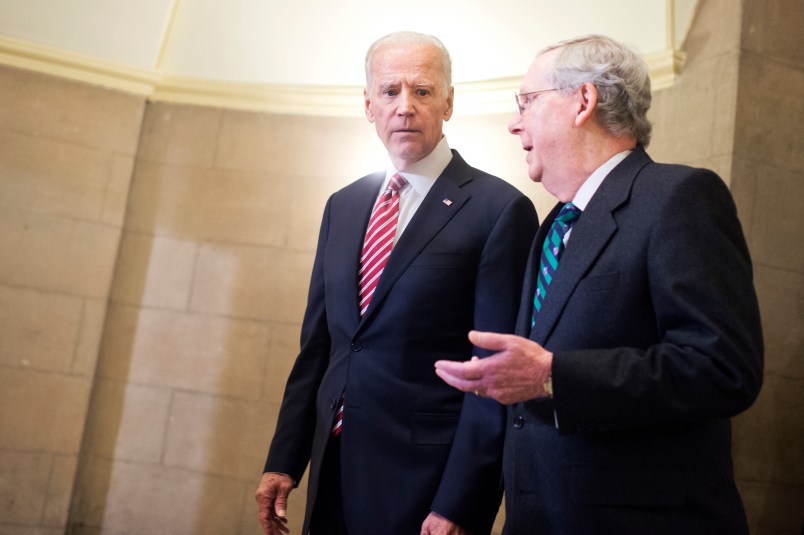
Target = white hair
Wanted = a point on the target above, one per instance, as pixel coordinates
(620, 76)
(411, 39)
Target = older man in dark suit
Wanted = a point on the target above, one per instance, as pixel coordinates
(393, 450)
(639, 332)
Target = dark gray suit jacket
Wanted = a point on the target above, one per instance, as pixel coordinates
(410, 442)
(653, 321)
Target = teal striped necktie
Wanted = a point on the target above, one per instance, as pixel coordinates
(551, 253)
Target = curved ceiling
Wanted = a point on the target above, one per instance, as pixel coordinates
(170, 48)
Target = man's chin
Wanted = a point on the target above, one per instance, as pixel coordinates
(409, 153)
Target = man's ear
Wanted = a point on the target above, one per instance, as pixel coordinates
(450, 98)
(367, 103)
(587, 101)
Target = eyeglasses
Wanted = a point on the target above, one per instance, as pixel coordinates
(523, 100)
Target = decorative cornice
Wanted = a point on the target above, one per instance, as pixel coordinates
(76, 66)
(472, 98)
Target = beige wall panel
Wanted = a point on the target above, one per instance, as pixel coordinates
(38, 329)
(226, 437)
(695, 124)
(252, 282)
(69, 111)
(254, 142)
(778, 223)
(338, 150)
(189, 351)
(125, 497)
(54, 253)
(771, 109)
(42, 411)
(180, 135)
(128, 421)
(33, 530)
(307, 203)
(53, 176)
(24, 480)
(89, 337)
(772, 509)
(209, 204)
(154, 271)
(781, 302)
(715, 29)
(60, 489)
(117, 188)
(769, 444)
(335, 150)
(779, 33)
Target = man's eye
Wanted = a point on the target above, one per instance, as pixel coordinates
(390, 92)
(422, 92)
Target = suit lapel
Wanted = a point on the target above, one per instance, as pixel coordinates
(429, 219)
(589, 237)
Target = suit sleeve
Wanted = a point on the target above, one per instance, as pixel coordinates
(707, 360)
(292, 442)
(470, 491)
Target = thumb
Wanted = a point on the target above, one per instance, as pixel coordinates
(281, 502)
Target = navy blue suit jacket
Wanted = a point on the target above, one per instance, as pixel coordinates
(653, 321)
(410, 443)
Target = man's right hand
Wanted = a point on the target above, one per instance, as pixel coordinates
(272, 498)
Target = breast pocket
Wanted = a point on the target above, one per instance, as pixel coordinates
(602, 282)
(438, 260)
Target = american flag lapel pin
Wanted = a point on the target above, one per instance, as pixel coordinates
(448, 202)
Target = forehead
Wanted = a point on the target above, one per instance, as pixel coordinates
(539, 71)
(395, 63)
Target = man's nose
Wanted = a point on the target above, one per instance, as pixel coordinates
(515, 124)
(405, 103)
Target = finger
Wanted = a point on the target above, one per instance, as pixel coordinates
(470, 370)
(491, 341)
(457, 382)
(281, 525)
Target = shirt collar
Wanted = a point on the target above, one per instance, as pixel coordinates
(591, 185)
(424, 173)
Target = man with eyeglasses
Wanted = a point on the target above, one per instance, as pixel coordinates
(638, 335)
(392, 449)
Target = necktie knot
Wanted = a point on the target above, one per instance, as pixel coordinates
(568, 214)
(396, 184)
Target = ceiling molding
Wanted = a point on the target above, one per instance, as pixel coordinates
(472, 98)
(75, 66)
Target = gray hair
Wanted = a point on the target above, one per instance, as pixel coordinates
(411, 39)
(620, 76)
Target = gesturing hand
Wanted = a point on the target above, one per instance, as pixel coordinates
(516, 372)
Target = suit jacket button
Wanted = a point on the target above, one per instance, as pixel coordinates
(332, 403)
(519, 421)
(356, 346)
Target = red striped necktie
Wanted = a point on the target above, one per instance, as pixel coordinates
(379, 239)
(376, 249)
